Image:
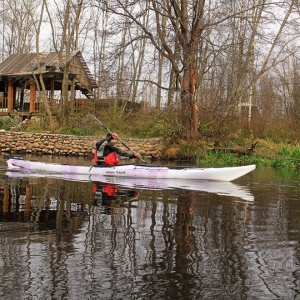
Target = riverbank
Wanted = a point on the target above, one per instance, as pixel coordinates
(264, 153)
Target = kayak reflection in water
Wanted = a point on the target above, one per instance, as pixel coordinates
(110, 196)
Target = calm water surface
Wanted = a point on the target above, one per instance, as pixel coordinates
(62, 238)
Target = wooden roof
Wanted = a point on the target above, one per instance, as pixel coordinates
(21, 64)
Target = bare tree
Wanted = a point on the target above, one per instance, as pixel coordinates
(215, 49)
(39, 82)
(185, 20)
(101, 33)
(137, 57)
(17, 23)
(121, 59)
(245, 74)
(65, 40)
(287, 91)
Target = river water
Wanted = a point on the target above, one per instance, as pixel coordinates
(71, 238)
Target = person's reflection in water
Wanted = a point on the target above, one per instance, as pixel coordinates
(110, 196)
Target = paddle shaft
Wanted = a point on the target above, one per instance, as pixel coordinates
(112, 133)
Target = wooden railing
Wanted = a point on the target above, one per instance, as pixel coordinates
(25, 108)
(3, 104)
(81, 105)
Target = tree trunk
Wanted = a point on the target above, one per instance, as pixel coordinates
(189, 100)
(40, 81)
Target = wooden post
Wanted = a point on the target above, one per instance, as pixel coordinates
(72, 97)
(10, 95)
(52, 102)
(32, 96)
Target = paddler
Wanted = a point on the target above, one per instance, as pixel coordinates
(106, 152)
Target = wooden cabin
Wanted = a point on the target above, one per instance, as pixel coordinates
(19, 76)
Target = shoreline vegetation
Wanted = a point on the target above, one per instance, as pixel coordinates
(234, 143)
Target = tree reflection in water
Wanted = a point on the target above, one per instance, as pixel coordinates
(63, 239)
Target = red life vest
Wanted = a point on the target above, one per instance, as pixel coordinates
(95, 157)
(111, 159)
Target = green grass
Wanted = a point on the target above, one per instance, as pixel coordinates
(223, 159)
(287, 158)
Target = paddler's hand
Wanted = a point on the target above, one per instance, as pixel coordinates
(137, 155)
(115, 136)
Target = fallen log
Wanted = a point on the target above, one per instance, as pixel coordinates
(237, 150)
(244, 151)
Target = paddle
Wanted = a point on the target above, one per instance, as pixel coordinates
(125, 145)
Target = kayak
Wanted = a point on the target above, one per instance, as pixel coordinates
(220, 188)
(134, 170)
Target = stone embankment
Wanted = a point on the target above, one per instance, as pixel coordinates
(69, 145)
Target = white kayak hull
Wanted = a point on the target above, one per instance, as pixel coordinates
(135, 171)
